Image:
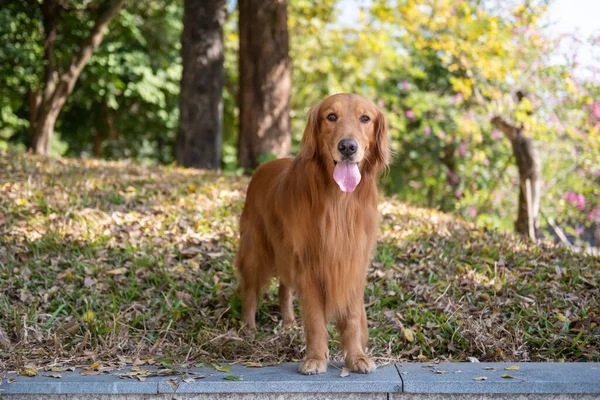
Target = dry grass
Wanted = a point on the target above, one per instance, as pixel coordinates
(108, 262)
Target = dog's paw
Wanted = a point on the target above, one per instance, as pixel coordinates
(312, 366)
(361, 364)
(249, 326)
(289, 324)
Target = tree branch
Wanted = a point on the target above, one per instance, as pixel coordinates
(50, 18)
(92, 42)
(508, 128)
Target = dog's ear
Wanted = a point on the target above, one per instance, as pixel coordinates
(382, 149)
(309, 145)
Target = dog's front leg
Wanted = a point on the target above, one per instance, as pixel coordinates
(353, 331)
(315, 331)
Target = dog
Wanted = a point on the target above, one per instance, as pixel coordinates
(312, 221)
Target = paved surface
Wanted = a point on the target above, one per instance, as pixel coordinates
(401, 381)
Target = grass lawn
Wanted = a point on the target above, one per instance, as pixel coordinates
(109, 262)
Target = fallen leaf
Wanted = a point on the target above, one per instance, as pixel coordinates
(11, 380)
(408, 335)
(89, 316)
(117, 271)
(441, 372)
(561, 317)
(89, 281)
(225, 368)
(251, 364)
(513, 368)
(28, 372)
(472, 359)
(191, 251)
(89, 372)
(481, 378)
(94, 366)
(489, 368)
(345, 372)
(188, 380)
(506, 376)
(172, 383)
(57, 376)
(233, 378)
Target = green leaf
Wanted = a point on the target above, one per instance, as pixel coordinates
(233, 378)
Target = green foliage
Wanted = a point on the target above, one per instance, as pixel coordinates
(127, 96)
(21, 65)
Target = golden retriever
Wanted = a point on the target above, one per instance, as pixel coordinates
(312, 221)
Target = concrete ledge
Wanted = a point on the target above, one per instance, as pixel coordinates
(546, 378)
(286, 379)
(283, 378)
(402, 381)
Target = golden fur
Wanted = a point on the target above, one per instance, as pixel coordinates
(299, 226)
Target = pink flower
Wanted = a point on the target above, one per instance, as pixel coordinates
(496, 134)
(486, 162)
(452, 177)
(427, 130)
(576, 200)
(596, 110)
(462, 150)
(595, 214)
(410, 114)
(404, 85)
(381, 103)
(578, 230)
(472, 211)
(441, 134)
(458, 194)
(457, 98)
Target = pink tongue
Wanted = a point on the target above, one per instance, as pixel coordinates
(346, 175)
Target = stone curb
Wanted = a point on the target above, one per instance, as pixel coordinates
(530, 378)
(409, 378)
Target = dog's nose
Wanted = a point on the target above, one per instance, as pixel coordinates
(347, 147)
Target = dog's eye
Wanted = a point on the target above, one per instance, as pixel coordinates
(332, 117)
(364, 119)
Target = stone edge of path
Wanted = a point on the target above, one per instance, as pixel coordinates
(415, 378)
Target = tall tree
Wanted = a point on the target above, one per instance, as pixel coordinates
(59, 83)
(201, 105)
(264, 81)
(529, 166)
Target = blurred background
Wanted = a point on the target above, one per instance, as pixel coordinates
(493, 106)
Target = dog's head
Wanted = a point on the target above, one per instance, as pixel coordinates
(349, 135)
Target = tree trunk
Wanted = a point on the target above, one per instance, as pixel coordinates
(34, 103)
(43, 129)
(58, 88)
(265, 81)
(198, 142)
(529, 166)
